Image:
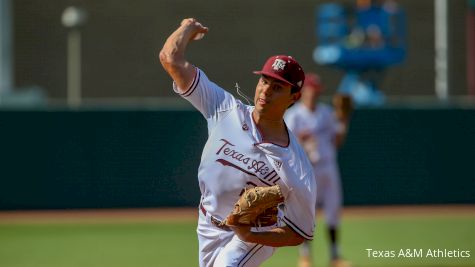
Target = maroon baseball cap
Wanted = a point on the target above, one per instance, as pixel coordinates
(285, 69)
(312, 80)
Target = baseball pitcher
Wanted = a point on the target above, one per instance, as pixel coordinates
(257, 186)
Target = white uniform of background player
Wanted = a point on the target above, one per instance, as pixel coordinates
(320, 133)
(238, 155)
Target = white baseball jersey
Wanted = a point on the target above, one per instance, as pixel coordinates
(323, 126)
(321, 123)
(235, 157)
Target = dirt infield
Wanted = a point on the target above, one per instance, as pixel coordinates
(191, 214)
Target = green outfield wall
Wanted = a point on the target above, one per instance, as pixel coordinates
(54, 159)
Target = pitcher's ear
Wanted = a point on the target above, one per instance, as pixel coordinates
(296, 96)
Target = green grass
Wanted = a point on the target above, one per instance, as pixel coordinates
(69, 245)
(393, 234)
(174, 244)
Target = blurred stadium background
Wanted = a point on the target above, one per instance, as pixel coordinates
(129, 142)
(121, 39)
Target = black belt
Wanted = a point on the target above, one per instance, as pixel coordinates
(216, 222)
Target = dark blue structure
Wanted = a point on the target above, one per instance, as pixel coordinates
(364, 48)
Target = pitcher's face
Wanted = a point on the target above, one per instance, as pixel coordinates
(273, 97)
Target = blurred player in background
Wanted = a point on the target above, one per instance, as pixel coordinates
(321, 129)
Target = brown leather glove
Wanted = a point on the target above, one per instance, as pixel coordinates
(256, 207)
(343, 105)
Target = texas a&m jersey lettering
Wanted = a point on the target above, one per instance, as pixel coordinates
(231, 157)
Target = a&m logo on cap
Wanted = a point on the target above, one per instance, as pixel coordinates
(278, 64)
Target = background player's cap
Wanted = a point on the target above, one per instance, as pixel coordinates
(312, 80)
(285, 69)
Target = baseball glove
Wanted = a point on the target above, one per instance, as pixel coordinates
(343, 105)
(256, 207)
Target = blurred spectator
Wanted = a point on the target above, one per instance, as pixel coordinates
(374, 37)
(382, 22)
(368, 41)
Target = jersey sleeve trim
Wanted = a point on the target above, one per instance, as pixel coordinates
(249, 255)
(193, 85)
(294, 227)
